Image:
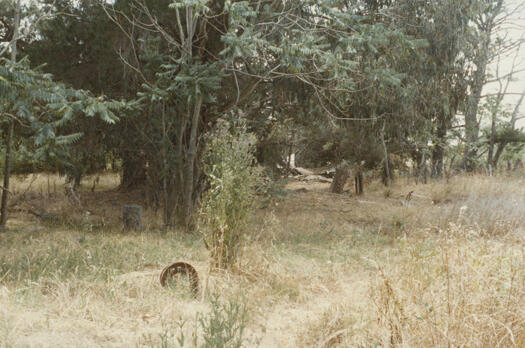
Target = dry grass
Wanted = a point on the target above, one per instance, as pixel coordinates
(319, 270)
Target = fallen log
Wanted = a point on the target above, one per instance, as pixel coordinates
(301, 171)
(316, 178)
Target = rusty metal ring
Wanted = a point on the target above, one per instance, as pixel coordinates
(181, 268)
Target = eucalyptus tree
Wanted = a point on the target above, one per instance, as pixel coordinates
(410, 81)
(503, 133)
(388, 110)
(437, 87)
(376, 118)
(487, 43)
(438, 79)
(502, 130)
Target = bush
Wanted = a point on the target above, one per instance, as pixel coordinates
(226, 206)
(222, 327)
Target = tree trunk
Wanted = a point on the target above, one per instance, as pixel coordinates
(490, 157)
(187, 204)
(425, 171)
(419, 158)
(437, 161)
(342, 173)
(498, 154)
(289, 165)
(471, 120)
(513, 120)
(132, 217)
(438, 152)
(168, 209)
(7, 174)
(387, 175)
(133, 172)
(9, 140)
(481, 61)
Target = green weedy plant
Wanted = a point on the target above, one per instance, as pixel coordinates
(226, 206)
(222, 327)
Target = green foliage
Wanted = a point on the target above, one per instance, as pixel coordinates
(502, 139)
(43, 109)
(271, 189)
(83, 33)
(222, 327)
(229, 200)
(320, 79)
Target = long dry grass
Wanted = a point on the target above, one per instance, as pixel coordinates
(446, 269)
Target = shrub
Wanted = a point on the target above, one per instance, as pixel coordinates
(222, 327)
(227, 204)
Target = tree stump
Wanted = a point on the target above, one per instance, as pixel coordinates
(387, 173)
(132, 217)
(342, 173)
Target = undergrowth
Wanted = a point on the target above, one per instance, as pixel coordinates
(222, 327)
(322, 270)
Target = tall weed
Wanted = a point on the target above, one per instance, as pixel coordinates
(228, 203)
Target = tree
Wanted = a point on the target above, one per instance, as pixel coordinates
(486, 44)
(84, 34)
(9, 140)
(201, 59)
(502, 131)
(41, 107)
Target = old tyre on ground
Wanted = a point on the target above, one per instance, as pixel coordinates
(182, 268)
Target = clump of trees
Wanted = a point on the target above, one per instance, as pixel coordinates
(35, 109)
(324, 81)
